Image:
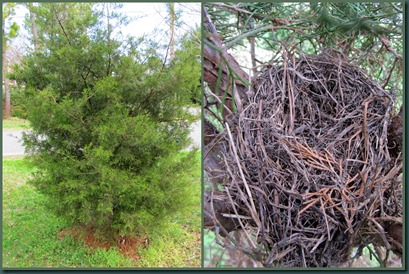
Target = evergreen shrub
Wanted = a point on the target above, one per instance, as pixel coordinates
(108, 128)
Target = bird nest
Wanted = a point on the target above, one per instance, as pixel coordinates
(304, 169)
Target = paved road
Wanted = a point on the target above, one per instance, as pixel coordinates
(196, 130)
(12, 143)
(196, 134)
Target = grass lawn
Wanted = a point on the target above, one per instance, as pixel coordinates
(14, 123)
(31, 233)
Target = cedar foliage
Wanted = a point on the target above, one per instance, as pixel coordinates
(108, 122)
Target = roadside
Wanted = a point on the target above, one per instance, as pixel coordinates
(14, 123)
(12, 142)
(195, 130)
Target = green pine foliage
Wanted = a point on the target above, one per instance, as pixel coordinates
(108, 124)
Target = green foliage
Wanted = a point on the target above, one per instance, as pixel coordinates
(107, 124)
(186, 63)
(30, 231)
(64, 41)
(11, 31)
(18, 102)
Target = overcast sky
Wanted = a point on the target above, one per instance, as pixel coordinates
(149, 17)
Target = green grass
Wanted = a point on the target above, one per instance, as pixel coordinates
(30, 232)
(179, 243)
(13, 123)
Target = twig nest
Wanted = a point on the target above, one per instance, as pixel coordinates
(308, 171)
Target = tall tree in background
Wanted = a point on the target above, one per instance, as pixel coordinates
(9, 33)
(33, 26)
(172, 21)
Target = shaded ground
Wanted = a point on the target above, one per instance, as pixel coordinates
(128, 246)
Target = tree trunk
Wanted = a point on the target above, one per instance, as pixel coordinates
(33, 24)
(109, 28)
(7, 103)
(172, 30)
(6, 82)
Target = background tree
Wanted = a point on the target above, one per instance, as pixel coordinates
(172, 21)
(9, 32)
(108, 120)
(32, 23)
